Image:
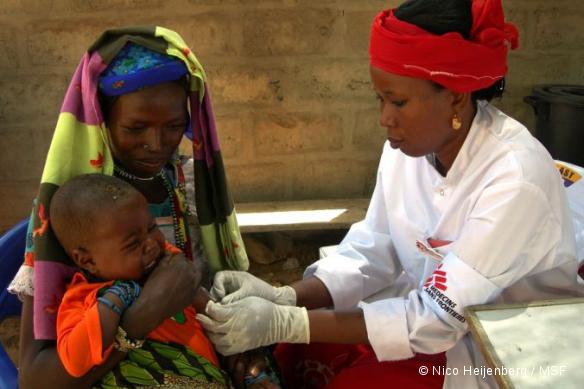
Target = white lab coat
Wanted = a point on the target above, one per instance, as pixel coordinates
(503, 208)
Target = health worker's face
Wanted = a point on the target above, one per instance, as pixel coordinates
(416, 115)
(147, 126)
(126, 243)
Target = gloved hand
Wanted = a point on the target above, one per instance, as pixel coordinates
(253, 322)
(230, 286)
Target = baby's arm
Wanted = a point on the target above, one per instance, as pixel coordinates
(85, 336)
(108, 318)
(201, 299)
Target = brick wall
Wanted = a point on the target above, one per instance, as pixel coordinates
(289, 78)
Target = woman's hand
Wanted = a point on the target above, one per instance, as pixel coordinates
(231, 286)
(171, 287)
(253, 322)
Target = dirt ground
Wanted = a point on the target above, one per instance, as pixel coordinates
(9, 329)
(279, 258)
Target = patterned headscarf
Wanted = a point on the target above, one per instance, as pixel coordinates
(136, 67)
(80, 145)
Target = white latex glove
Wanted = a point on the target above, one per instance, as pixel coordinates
(253, 322)
(230, 286)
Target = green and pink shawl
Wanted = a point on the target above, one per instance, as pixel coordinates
(80, 146)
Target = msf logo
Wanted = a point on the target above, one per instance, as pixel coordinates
(438, 278)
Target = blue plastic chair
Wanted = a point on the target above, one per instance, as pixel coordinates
(11, 254)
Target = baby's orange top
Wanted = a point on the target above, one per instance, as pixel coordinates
(79, 342)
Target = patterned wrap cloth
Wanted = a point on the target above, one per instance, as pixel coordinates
(80, 146)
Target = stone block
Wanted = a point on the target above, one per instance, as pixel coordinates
(241, 85)
(9, 48)
(578, 66)
(26, 7)
(31, 98)
(58, 43)
(114, 5)
(529, 69)
(521, 16)
(233, 142)
(23, 154)
(334, 178)
(286, 133)
(258, 251)
(327, 81)
(17, 197)
(559, 26)
(258, 181)
(288, 32)
(373, 5)
(368, 135)
(358, 32)
(232, 2)
(210, 34)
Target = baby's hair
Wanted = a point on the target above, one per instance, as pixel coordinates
(76, 205)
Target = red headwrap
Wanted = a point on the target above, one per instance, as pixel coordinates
(449, 60)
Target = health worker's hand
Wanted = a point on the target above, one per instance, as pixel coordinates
(230, 286)
(253, 322)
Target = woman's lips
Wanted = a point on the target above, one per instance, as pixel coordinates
(152, 163)
(394, 143)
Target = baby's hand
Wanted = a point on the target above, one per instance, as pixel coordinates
(201, 299)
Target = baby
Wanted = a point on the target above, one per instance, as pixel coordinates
(104, 225)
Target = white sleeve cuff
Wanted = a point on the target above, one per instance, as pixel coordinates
(455, 285)
(342, 278)
(387, 329)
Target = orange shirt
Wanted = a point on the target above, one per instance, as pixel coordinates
(79, 333)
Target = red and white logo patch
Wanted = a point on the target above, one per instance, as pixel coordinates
(438, 279)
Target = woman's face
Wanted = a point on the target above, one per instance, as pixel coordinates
(147, 126)
(416, 115)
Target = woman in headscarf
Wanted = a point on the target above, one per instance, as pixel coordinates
(468, 209)
(134, 95)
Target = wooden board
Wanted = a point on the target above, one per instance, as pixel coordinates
(540, 344)
(300, 215)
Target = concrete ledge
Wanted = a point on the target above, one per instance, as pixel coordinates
(303, 215)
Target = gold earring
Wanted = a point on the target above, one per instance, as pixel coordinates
(456, 122)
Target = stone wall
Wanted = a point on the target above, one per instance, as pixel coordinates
(289, 78)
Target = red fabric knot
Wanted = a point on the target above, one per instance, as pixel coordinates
(450, 60)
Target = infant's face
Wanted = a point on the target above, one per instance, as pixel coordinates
(127, 243)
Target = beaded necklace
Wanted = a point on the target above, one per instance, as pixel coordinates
(123, 173)
(177, 198)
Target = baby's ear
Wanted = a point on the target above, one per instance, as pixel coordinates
(83, 258)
